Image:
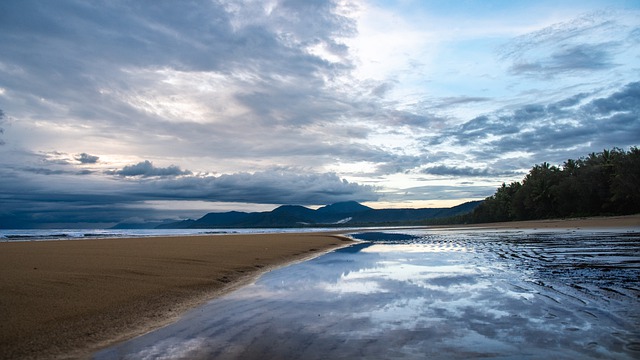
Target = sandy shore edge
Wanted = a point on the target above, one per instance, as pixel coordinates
(624, 221)
(66, 299)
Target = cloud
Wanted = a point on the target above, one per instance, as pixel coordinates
(382, 89)
(392, 164)
(440, 192)
(574, 47)
(566, 104)
(466, 171)
(85, 158)
(626, 101)
(1, 129)
(481, 127)
(567, 60)
(58, 196)
(613, 118)
(147, 169)
(451, 101)
(210, 77)
(246, 41)
(276, 186)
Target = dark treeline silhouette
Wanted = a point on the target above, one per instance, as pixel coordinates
(605, 183)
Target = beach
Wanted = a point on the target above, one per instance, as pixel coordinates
(65, 299)
(426, 293)
(69, 298)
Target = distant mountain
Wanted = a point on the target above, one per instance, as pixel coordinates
(219, 219)
(343, 208)
(349, 213)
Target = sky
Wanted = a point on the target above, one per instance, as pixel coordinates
(136, 111)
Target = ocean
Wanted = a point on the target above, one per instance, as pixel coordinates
(78, 234)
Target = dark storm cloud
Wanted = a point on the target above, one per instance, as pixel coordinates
(35, 198)
(267, 187)
(147, 169)
(85, 158)
(58, 197)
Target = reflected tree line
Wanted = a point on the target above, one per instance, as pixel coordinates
(605, 183)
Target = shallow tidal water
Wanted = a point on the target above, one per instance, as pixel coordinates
(416, 294)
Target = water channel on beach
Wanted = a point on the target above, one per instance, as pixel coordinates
(415, 294)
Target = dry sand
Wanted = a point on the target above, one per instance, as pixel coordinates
(68, 298)
(64, 299)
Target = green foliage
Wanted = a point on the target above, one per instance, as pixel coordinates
(606, 183)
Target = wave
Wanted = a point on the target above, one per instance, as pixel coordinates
(71, 234)
(79, 234)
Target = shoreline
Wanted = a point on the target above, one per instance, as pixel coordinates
(621, 221)
(70, 298)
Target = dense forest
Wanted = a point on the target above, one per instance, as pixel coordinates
(605, 183)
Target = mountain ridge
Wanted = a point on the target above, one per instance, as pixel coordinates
(348, 213)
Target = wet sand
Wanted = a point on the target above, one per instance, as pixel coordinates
(65, 299)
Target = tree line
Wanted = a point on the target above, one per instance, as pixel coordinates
(605, 183)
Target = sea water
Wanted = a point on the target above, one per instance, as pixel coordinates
(76, 234)
(437, 294)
